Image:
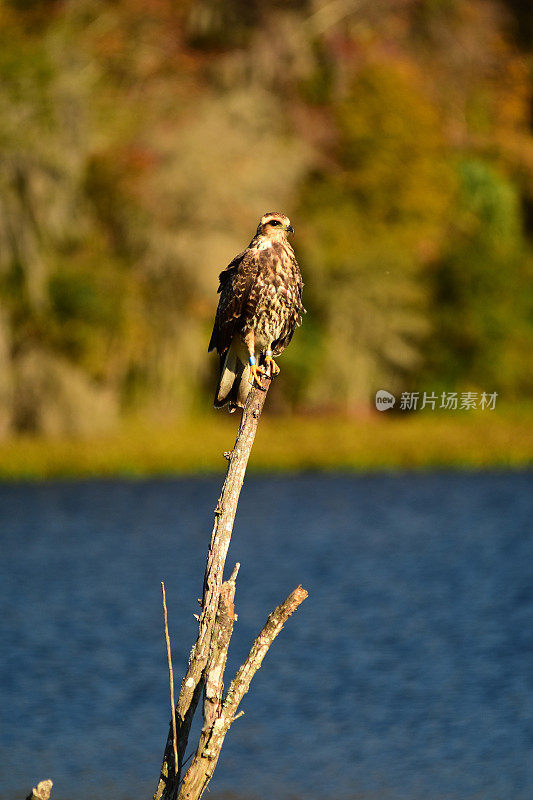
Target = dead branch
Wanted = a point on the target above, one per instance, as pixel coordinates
(208, 656)
(192, 684)
(205, 760)
(273, 626)
(214, 673)
(171, 679)
(41, 791)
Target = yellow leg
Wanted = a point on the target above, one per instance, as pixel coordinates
(256, 374)
(271, 365)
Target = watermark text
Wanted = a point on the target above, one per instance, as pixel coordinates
(446, 401)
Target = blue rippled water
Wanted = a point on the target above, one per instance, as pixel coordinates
(406, 675)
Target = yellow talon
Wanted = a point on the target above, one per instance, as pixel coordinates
(271, 365)
(256, 373)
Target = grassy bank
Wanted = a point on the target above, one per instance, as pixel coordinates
(471, 440)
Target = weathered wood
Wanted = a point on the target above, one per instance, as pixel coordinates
(272, 628)
(171, 679)
(214, 672)
(41, 791)
(205, 760)
(192, 684)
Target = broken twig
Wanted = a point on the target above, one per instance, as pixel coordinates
(41, 791)
(171, 679)
(203, 765)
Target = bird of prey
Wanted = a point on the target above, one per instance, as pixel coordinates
(259, 308)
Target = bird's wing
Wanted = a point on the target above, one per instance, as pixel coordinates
(293, 300)
(236, 282)
(294, 282)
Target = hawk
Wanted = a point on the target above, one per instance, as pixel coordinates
(259, 308)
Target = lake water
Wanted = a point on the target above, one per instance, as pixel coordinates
(406, 674)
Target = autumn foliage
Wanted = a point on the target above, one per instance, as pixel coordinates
(141, 142)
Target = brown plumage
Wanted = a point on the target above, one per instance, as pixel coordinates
(259, 308)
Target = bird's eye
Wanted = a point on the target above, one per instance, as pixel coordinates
(275, 222)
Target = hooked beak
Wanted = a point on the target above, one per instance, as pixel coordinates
(290, 229)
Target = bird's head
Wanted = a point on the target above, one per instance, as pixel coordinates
(274, 225)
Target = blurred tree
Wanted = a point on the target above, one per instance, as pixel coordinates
(482, 297)
(43, 219)
(140, 140)
(523, 23)
(371, 222)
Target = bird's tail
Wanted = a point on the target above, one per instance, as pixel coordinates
(233, 385)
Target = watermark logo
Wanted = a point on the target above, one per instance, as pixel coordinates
(384, 400)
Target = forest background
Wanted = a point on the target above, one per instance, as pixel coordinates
(140, 142)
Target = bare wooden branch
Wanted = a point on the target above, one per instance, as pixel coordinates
(203, 765)
(41, 791)
(192, 684)
(273, 626)
(214, 673)
(171, 680)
